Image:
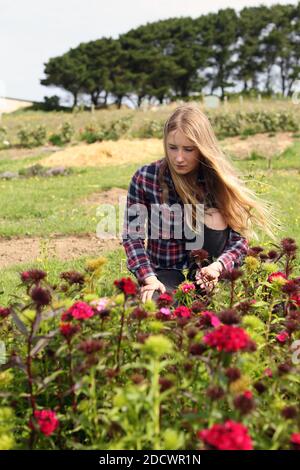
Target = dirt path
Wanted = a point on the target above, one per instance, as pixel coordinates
(30, 249)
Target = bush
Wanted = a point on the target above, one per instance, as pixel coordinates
(113, 131)
(29, 137)
(63, 136)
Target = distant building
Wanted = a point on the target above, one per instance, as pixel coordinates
(8, 105)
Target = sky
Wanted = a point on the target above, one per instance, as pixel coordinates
(33, 31)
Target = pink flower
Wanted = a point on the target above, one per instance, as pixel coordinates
(182, 312)
(214, 320)
(79, 310)
(268, 372)
(165, 311)
(47, 421)
(226, 436)
(282, 337)
(187, 287)
(101, 304)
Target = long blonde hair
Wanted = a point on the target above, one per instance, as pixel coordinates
(239, 205)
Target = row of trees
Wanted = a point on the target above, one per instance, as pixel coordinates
(257, 49)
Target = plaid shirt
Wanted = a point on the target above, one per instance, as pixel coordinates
(163, 252)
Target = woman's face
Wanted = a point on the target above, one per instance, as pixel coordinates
(183, 155)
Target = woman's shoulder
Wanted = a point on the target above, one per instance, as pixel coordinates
(149, 170)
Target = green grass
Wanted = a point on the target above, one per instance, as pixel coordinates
(39, 206)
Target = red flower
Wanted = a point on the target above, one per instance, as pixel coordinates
(227, 338)
(277, 275)
(295, 440)
(182, 312)
(79, 310)
(126, 285)
(295, 298)
(47, 421)
(164, 300)
(226, 436)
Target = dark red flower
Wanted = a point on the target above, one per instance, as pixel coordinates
(196, 349)
(215, 392)
(244, 402)
(126, 285)
(228, 338)
(197, 306)
(290, 287)
(288, 245)
(68, 330)
(91, 346)
(4, 312)
(164, 300)
(259, 387)
(229, 317)
(289, 412)
(233, 373)
(40, 296)
(33, 275)
(284, 368)
(272, 254)
(139, 313)
(226, 436)
(72, 277)
(232, 275)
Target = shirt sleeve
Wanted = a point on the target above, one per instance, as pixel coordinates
(234, 252)
(133, 235)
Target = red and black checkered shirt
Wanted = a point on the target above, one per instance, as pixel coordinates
(162, 252)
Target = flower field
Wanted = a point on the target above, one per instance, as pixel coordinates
(193, 370)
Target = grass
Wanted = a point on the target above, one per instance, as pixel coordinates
(39, 206)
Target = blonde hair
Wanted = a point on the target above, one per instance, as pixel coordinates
(239, 205)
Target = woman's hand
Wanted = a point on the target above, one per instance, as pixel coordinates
(151, 285)
(208, 276)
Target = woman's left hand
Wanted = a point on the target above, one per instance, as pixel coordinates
(208, 276)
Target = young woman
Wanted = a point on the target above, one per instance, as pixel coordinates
(193, 174)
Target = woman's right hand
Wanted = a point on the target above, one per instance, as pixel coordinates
(151, 285)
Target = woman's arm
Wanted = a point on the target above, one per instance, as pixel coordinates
(138, 261)
(234, 252)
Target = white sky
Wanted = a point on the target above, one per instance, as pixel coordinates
(32, 31)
